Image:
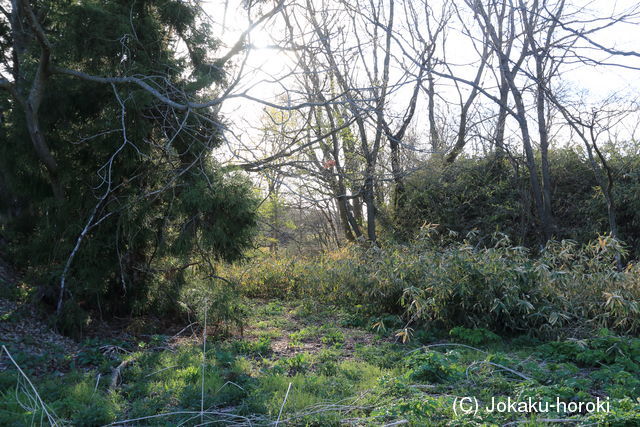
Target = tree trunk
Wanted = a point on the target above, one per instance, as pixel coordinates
(544, 149)
(433, 129)
(530, 157)
(42, 151)
(502, 117)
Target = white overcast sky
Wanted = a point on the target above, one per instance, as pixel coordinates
(265, 64)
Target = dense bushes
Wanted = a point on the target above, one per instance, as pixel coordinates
(212, 302)
(489, 194)
(437, 282)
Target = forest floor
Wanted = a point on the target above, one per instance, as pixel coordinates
(301, 363)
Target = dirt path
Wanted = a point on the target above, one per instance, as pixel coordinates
(293, 330)
(26, 336)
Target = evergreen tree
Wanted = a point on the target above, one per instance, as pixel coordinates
(130, 195)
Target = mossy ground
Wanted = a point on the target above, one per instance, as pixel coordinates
(306, 364)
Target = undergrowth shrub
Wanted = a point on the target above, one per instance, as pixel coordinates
(213, 302)
(430, 366)
(599, 351)
(473, 336)
(487, 194)
(486, 282)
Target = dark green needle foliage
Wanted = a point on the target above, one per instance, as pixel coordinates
(146, 172)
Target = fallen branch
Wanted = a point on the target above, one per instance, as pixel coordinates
(160, 370)
(397, 423)
(283, 403)
(446, 344)
(497, 365)
(117, 373)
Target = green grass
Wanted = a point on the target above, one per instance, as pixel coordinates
(374, 382)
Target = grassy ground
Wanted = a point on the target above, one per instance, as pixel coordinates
(300, 363)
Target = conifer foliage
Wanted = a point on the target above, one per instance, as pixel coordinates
(109, 187)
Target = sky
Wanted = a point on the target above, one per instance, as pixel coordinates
(268, 61)
(264, 64)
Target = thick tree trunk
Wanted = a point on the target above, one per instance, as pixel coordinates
(369, 199)
(544, 149)
(358, 214)
(536, 188)
(398, 178)
(42, 151)
(502, 117)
